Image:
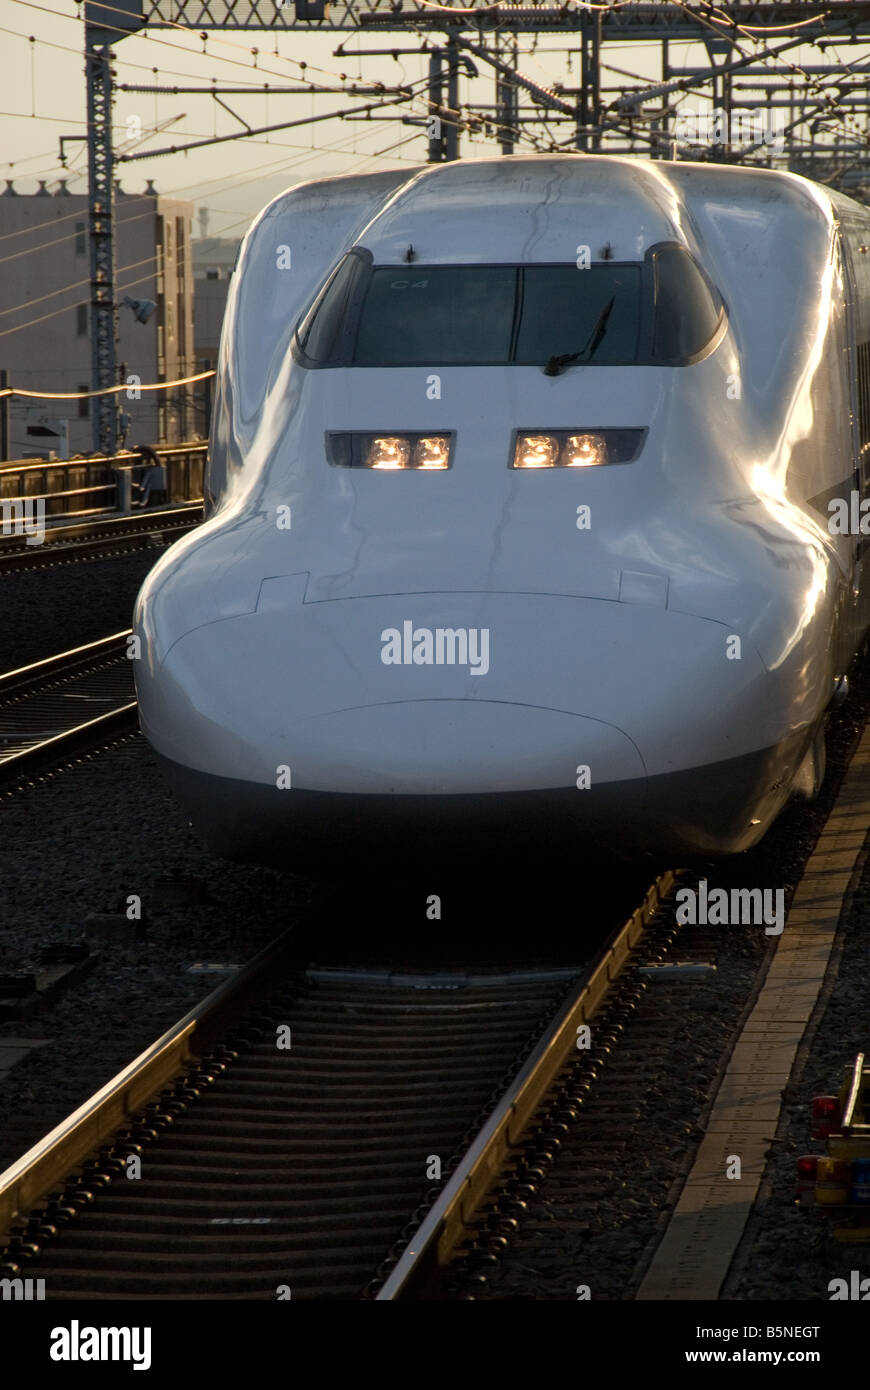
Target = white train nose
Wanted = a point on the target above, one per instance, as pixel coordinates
(288, 724)
(357, 695)
(458, 746)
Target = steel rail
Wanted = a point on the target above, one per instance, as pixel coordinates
(62, 663)
(102, 726)
(25, 692)
(60, 1152)
(90, 539)
(449, 1219)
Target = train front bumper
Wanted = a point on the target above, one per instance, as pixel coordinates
(624, 723)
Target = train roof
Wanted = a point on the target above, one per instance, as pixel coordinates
(539, 208)
(525, 210)
(522, 209)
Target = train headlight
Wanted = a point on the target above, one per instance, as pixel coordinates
(575, 448)
(536, 451)
(432, 451)
(390, 451)
(583, 451)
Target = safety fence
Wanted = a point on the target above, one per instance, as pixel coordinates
(116, 484)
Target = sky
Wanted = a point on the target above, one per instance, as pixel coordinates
(42, 97)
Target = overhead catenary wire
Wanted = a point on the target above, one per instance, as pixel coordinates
(124, 31)
(408, 95)
(122, 221)
(121, 31)
(189, 30)
(66, 217)
(76, 285)
(476, 122)
(633, 96)
(53, 313)
(183, 190)
(283, 125)
(62, 240)
(104, 391)
(313, 86)
(761, 28)
(471, 124)
(588, 5)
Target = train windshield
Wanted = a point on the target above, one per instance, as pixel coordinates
(496, 315)
(520, 315)
(687, 308)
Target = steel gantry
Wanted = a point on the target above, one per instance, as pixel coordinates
(620, 19)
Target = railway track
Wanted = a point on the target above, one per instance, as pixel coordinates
(99, 539)
(55, 707)
(307, 1132)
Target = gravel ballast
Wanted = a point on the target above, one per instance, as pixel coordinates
(45, 611)
(78, 844)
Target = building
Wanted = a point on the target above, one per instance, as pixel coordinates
(45, 315)
(210, 301)
(214, 257)
(213, 261)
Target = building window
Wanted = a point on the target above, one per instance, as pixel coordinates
(82, 320)
(84, 405)
(81, 239)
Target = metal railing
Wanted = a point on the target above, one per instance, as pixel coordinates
(107, 484)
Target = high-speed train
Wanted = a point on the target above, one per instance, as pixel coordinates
(520, 514)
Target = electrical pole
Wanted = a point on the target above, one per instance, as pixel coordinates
(101, 199)
(721, 96)
(104, 25)
(451, 142)
(444, 134)
(506, 92)
(437, 151)
(590, 81)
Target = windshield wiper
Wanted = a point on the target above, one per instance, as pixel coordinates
(557, 365)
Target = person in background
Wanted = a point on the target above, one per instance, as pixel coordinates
(153, 481)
